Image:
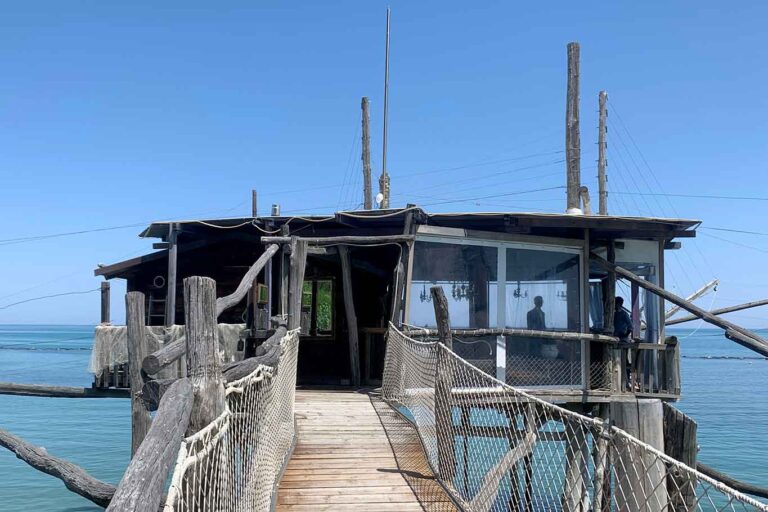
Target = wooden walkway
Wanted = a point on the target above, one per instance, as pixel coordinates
(344, 460)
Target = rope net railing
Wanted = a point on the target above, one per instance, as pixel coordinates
(234, 463)
(494, 447)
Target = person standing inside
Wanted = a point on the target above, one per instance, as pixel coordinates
(536, 317)
(622, 329)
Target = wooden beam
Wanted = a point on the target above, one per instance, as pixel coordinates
(352, 240)
(10, 388)
(203, 360)
(349, 308)
(719, 311)
(224, 303)
(75, 478)
(105, 302)
(695, 295)
(138, 348)
(742, 336)
(731, 482)
(141, 488)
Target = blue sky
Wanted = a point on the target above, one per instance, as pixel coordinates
(119, 114)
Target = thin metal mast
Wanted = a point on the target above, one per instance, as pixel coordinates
(384, 179)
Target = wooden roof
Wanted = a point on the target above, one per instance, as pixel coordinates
(387, 222)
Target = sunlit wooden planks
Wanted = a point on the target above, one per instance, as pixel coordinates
(343, 459)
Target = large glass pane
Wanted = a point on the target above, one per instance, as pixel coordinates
(542, 291)
(543, 294)
(468, 276)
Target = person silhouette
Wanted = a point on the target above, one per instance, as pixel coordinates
(536, 317)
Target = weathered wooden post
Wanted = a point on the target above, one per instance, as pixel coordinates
(173, 253)
(602, 163)
(138, 349)
(680, 444)
(640, 475)
(254, 204)
(572, 138)
(446, 439)
(105, 303)
(203, 359)
(367, 191)
(349, 307)
(298, 263)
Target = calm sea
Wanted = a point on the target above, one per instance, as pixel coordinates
(724, 390)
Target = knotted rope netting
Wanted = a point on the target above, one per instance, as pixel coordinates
(234, 463)
(494, 447)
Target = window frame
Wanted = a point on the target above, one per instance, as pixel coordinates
(533, 243)
(314, 332)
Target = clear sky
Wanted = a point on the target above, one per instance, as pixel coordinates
(116, 115)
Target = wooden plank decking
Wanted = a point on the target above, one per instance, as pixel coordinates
(344, 461)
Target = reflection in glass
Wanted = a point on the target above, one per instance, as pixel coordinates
(468, 276)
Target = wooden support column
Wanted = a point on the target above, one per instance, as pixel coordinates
(349, 308)
(640, 475)
(366, 156)
(203, 359)
(572, 138)
(105, 303)
(602, 163)
(170, 297)
(446, 439)
(298, 262)
(575, 496)
(602, 463)
(138, 349)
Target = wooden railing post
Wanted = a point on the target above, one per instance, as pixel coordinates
(203, 359)
(446, 440)
(105, 302)
(138, 348)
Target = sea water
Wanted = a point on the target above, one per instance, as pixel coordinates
(723, 390)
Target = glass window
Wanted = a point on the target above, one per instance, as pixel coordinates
(542, 290)
(468, 276)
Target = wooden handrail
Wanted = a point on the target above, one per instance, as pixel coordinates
(142, 485)
(171, 352)
(518, 333)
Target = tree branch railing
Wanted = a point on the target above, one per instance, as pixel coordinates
(159, 359)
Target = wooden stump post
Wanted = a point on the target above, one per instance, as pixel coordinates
(138, 349)
(680, 444)
(349, 308)
(203, 359)
(446, 439)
